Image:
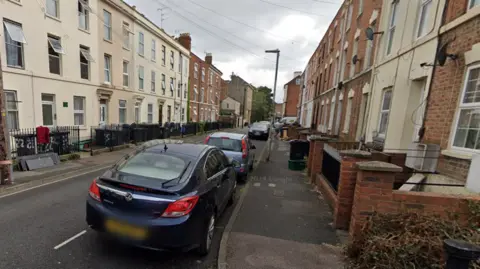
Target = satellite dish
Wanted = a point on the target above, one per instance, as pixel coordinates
(442, 55)
(369, 32)
(355, 59)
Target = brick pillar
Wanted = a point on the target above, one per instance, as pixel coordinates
(310, 156)
(346, 186)
(373, 192)
(316, 156)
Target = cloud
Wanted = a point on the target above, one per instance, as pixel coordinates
(239, 48)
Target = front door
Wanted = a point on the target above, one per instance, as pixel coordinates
(49, 114)
(160, 114)
(103, 112)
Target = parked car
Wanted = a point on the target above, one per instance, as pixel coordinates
(163, 196)
(235, 146)
(288, 120)
(259, 130)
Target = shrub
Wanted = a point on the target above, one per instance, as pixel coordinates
(409, 240)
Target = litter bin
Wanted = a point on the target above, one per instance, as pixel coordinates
(299, 149)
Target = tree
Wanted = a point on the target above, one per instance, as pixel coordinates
(262, 104)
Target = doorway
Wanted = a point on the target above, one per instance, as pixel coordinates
(49, 114)
(103, 112)
(160, 114)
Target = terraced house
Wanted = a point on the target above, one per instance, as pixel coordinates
(101, 62)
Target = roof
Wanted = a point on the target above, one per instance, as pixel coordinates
(293, 79)
(229, 135)
(193, 150)
(231, 98)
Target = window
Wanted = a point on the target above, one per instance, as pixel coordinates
(354, 52)
(12, 109)
(332, 113)
(85, 59)
(211, 78)
(172, 87)
(474, 3)
(79, 110)
(391, 26)
(122, 111)
(423, 21)
(163, 54)
(467, 129)
(141, 77)
(297, 81)
(150, 113)
(153, 75)
(48, 109)
(195, 71)
(126, 35)
(183, 114)
(83, 15)
(154, 51)
(185, 92)
(348, 115)
(360, 7)
(180, 62)
(51, 8)
(343, 66)
(163, 84)
(107, 68)
(155, 166)
(55, 49)
(137, 112)
(107, 25)
(203, 74)
(141, 44)
(14, 40)
(384, 112)
(367, 62)
(337, 68)
(126, 79)
(349, 16)
(169, 113)
(202, 95)
(195, 92)
(179, 89)
(338, 116)
(172, 59)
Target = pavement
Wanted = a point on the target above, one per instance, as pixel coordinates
(43, 227)
(280, 222)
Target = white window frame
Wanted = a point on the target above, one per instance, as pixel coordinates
(79, 111)
(164, 55)
(360, 8)
(122, 109)
(461, 106)
(137, 112)
(13, 31)
(141, 77)
(343, 66)
(392, 23)
(56, 5)
(195, 93)
(59, 51)
(164, 86)
(126, 35)
(10, 110)
(195, 70)
(83, 12)
(153, 80)
(172, 86)
(126, 74)
(473, 3)
(172, 60)
(141, 44)
(349, 16)
(203, 74)
(384, 111)
(107, 68)
(348, 115)
(354, 52)
(85, 53)
(202, 95)
(332, 113)
(425, 8)
(367, 61)
(150, 113)
(107, 26)
(154, 50)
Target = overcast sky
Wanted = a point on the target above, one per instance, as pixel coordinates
(238, 32)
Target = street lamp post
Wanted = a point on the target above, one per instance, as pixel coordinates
(276, 51)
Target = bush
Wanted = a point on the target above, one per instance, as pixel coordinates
(409, 240)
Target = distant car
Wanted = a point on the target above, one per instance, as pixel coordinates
(163, 196)
(288, 120)
(259, 130)
(237, 147)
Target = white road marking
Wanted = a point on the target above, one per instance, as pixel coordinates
(271, 185)
(256, 184)
(70, 239)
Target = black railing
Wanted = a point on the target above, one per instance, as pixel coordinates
(31, 141)
(331, 166)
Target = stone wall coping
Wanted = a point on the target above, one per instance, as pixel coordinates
(305, 132)
(318, 138)
(361, 154)
(379, 166)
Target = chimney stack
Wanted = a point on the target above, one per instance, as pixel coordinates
(185, 40)
(208, 58)
(297, 73)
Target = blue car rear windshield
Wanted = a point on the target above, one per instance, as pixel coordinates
(154, 165)
(226, 144)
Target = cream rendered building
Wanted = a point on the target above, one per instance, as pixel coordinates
(402, 71)
(49, 55)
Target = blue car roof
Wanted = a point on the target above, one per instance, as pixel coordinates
(193, 150)
(229, 135)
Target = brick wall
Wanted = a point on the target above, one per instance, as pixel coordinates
(293, 96)
(374, 193)
(455, 9)
(447, 85)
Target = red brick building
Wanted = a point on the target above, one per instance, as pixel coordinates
(205, 84)
(341, 85)
(452, 113)
(292, 96)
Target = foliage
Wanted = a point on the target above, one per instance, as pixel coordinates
(262, 104)
(410, 240)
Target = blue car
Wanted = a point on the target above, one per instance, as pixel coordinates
(237, 147)
(163, 196)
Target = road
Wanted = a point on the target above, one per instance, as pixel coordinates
(45, 228)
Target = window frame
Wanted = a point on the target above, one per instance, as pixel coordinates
(122, 109)
(164, 55)
(203, 74)
(172, 86)
(150, 113)
(141, 77)
(55, 53)
(8, 110)
(423, 4)
(107, 26)
(126, 75)
(382, 111)
(392, 24)
(472, 4)
(126, 35)
(172, 60)
(57, 9)
(354, 52)
(79, 112)
(153, 50)
(141, 44)
(107, 61)
(153, 85)
(348, 115)
(85, 12)
(164, 85)
(86, 49)
(461, 106)
(195, 70)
